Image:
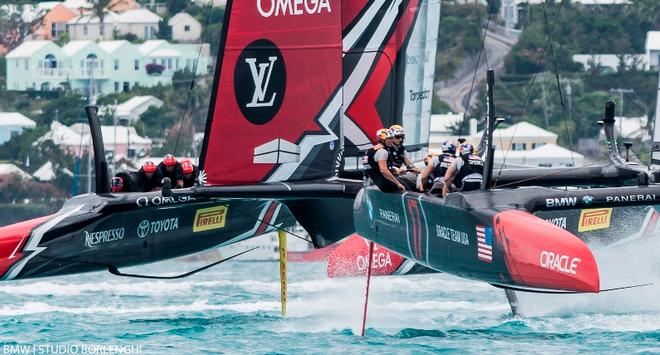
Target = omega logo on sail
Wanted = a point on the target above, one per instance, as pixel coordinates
(268, 8)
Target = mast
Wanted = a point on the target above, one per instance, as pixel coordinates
(655, 155)
(490, 127)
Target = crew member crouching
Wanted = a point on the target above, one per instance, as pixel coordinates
(437, 167)
(466, 172)
(399, 161)
(190, 173)
(377, 159)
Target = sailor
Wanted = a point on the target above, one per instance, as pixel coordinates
(171, 168)
(466, 172)
(117, 184)
(190, 173)
(437, 169)
(149, 177)
(399, 160)
(377, 159)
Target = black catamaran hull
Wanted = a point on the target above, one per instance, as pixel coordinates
(481, 244)
(94, 232)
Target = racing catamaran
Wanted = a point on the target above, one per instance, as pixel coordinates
(300, 86)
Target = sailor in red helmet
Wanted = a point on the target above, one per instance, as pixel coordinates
(117, 184)
(171, 168)
(190, 173)
(149, 177)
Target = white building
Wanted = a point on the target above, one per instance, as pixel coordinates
(141, 22)
(100, 68)
(185, 28)
(118, 141)
(11, 169)
(130, 111)
(653, 48)
(13, 123)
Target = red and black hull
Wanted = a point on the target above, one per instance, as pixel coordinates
(94, 232)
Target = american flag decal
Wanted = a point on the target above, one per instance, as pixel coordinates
(485, 243)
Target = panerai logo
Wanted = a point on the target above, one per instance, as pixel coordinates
(268, 8)
(630, 198)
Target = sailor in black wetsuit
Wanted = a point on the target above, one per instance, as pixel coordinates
(466, 172)
(437, 168)
(149, 178)
(399, 162)
(377, 160)
(171, 168)
(190, 173)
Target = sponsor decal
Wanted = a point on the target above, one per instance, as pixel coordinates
(452, 234)
(559, 262)
(630, 198)
(484, 243)
(210, 218)
(420, 95)
(147, 227)
(380, 259)
(260, 81)
(389, 215)
(594, 219)
(104, 236)
(587, 199)
(146, 201)
(557, 221)
(268, 8)
(561, 202)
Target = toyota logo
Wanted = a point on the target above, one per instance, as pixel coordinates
(143, 229)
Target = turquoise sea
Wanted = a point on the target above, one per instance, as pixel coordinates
(234, 308)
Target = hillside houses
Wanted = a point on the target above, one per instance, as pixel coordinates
(100, 68)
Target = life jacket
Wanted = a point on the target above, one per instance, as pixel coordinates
(396, 155)
(445, 161)
(374, 172)
(472, 164)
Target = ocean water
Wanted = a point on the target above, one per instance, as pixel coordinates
(235, 308)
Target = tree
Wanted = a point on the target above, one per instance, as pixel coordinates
(99, 10)
(176, 6)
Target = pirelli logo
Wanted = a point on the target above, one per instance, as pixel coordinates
(210, 218)
(595, 219)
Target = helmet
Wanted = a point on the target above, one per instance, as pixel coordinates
(397, 130)
(187, 167)
(466, 148)
(448, 147)
(383, 134)
(149, 167)
(169, 160)
(117, 184)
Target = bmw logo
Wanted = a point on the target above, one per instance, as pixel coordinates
(587, 200)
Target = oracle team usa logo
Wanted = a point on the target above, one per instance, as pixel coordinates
(260, 81)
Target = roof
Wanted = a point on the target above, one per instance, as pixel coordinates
(652, 40)
(90, 17)
(444, 122)
(123, 134)
(111, 46)
(76, 4)
(139, 16)
(181, 16)
(15, 119)
(151, 45)
(521, 129)
(74, 47)
(137, 101)
(45, 172)
(6, 169)
(63, 135)
(27, 49)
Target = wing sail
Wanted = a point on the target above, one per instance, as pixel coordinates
(274, 114)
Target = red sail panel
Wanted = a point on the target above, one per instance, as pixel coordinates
(275, 113)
